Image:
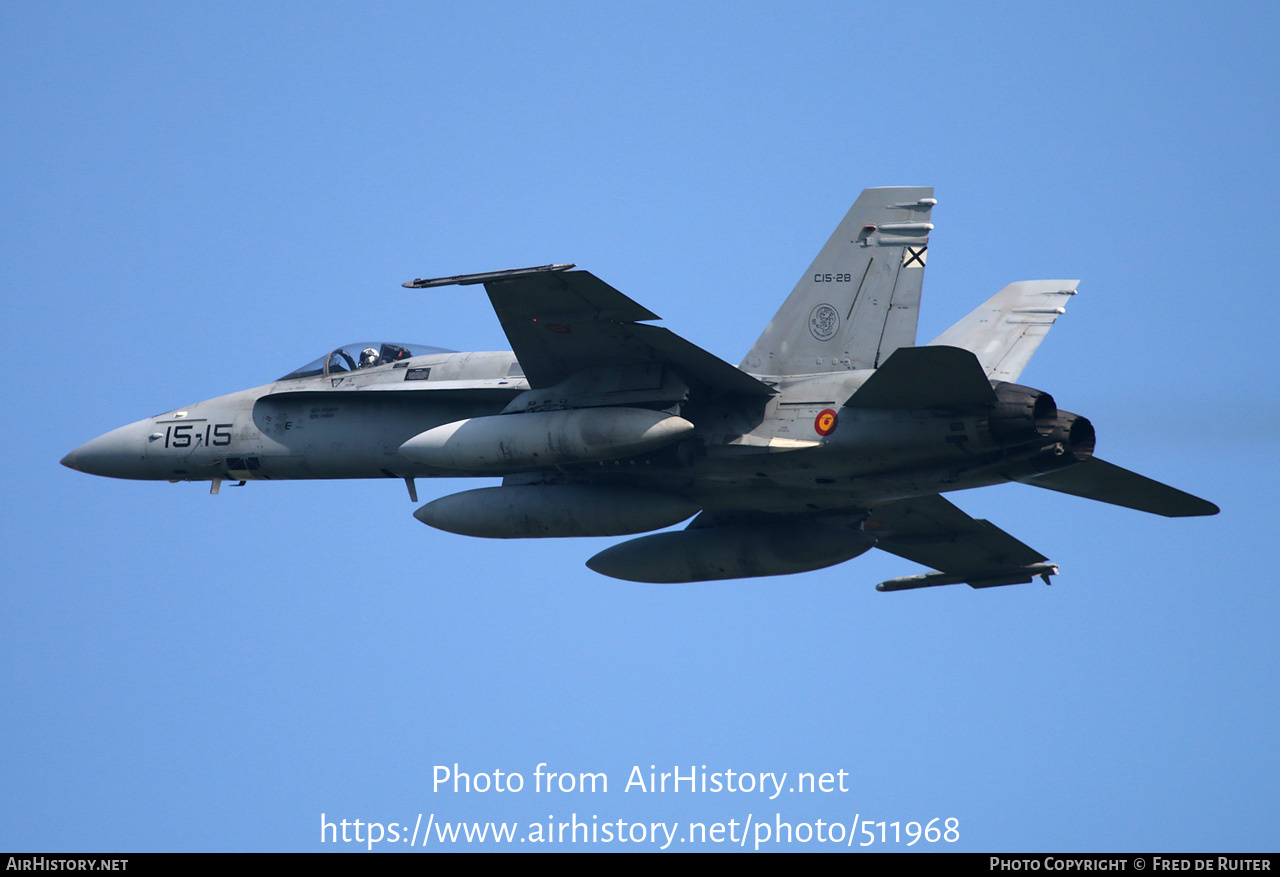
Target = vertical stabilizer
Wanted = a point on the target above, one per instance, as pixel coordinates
(1005, 330)
(860, 299)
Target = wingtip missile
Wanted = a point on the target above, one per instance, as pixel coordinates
(484, 276)
(1018, 576)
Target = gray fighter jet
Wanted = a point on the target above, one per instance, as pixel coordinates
(835, 435)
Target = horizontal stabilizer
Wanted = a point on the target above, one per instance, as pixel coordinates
(925, 377)
(1104, 482)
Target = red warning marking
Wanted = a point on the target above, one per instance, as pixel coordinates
(825, 422)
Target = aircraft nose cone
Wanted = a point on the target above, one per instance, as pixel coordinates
(120, 453)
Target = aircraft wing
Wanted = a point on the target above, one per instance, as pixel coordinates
(931, 531)
(560, 322)
(928, 530)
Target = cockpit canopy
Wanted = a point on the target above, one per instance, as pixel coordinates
(362, 355)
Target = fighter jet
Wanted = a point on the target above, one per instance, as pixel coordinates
(835, 435)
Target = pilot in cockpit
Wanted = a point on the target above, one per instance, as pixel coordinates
(369, 357)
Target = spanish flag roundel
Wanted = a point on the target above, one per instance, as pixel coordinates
(825, 422)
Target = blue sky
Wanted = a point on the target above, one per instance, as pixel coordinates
(197, 199)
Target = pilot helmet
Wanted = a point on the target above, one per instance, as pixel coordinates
(368, 356)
